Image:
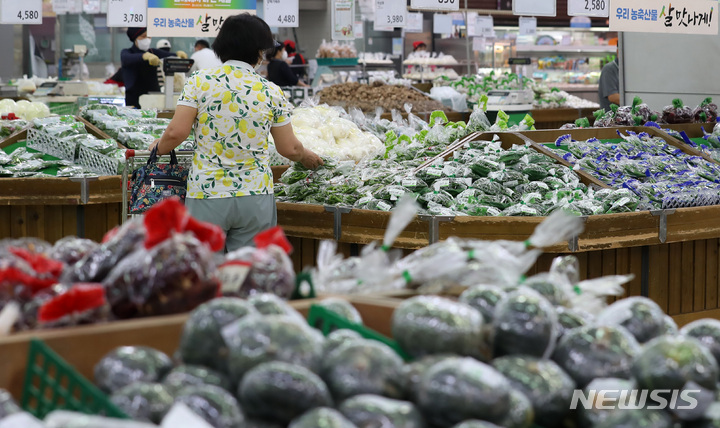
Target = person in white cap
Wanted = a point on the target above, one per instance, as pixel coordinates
(162, 45)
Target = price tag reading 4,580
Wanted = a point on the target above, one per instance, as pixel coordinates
(600, 8)
(435, 4)
(282, 13)
(127, 13)
(21, 12)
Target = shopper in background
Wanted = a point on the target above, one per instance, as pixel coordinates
(204, 57)
(609, 85)
(163, 45)
(231, 110)
(419, 47)
(279, 72)
(139, 65)
(297, 59)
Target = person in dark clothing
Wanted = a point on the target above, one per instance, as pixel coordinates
(297, 59)
(279, 72)
(139, 65)
(116, 78)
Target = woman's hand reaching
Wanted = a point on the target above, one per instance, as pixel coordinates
(311, 160)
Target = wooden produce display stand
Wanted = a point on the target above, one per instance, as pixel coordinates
(52, 208)
(674, 254)
(554, 118)
(82, 347)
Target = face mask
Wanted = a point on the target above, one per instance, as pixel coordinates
(284, 54)
(144, 44)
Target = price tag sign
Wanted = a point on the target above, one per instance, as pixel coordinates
(435, 4)
(359, 29)
(390, 13)
(21, 12)
(442, 23)
(534, 7)
(127, 13)
(599, 8)
(528, 26)
(414, 23)
(343, 19)
(485, 26)
(282, 13)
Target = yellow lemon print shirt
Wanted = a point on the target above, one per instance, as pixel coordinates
(236, 110)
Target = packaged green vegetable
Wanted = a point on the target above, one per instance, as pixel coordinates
(439, 197)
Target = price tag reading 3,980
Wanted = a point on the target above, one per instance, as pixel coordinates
(127, 13)
(21, 12)
(435, 4)
(390, 13)
(599, 8)
(282, 13)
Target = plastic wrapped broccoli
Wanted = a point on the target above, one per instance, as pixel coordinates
(129, 364)
(321, 417)
(547, 386)
(639, 315)
(587, 353)
(256, 339)
(278, 391)
(363, 367)
(627, 418)
(147, 402)
(616, 389)
(203, 338)
(271, 304)
(707, 331)
(425, 325)
(8, 406)
(214, 404)
(187, 375)
(525, 324)
(457, 389)
(669, 362)
(368, 410)
(338, 338)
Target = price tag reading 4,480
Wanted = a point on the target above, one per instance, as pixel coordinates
(282, 13)
(20, 12)
(600, 8)
(435, 4)
(127, 13)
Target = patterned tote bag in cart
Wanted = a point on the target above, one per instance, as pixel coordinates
(156, 181)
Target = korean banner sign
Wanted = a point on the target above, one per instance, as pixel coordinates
(664, 16)
(192, 18)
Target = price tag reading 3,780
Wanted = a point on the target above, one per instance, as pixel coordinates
(127, 13)
(600, 8)
(282, 13)
(435, 4)
(21, 12)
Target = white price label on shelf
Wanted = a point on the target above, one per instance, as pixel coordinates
(599, 8)
(485, 26)
(534, 7)
(528, 26)
(390, 13)
(435, 4)
(282, 13)
(21, 12)
(127, 13)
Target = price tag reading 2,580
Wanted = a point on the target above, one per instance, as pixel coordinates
(599, 8)
(435, 4)
(282, 13)
(21, 12)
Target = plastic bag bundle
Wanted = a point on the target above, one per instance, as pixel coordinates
(174, 277)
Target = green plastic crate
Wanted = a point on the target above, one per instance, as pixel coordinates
(327, 322)
(63, 108)
(337, 62)
(53, 384)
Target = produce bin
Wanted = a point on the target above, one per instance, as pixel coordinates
(338, 62)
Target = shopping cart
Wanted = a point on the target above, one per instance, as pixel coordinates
(136, 158)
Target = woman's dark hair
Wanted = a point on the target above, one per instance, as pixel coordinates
(242, 37)
(270, 53)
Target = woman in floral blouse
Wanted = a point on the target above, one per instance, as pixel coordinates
(231, 110)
